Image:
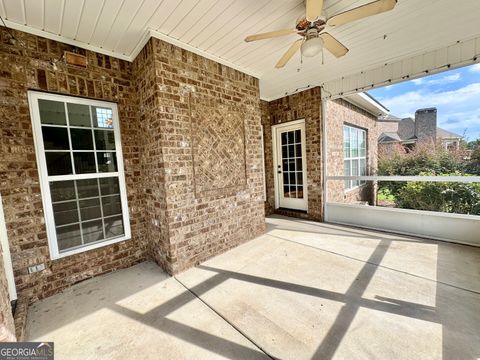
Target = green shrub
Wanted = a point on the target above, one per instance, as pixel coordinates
(460, 198)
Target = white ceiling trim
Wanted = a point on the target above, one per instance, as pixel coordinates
(453, 56)
(63, 39)
(147, 35)
(205, 54)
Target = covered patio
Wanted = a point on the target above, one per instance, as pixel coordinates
(151, 151)
(303, 290)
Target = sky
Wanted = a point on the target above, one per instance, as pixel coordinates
(455, 94)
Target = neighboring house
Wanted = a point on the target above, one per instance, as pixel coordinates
(408, 131)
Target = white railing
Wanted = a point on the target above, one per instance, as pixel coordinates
(457, 228)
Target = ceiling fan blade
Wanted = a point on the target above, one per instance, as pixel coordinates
(333, 45)
(271, 34)
(290, 52)
(361, 12)
(314, 9)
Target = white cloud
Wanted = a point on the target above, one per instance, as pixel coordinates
(413, 100)
(441, 81)
(475, 68)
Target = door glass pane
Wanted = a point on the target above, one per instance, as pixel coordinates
(299, 178)
(286, 191)
(62, 190)
(290, 137)
(298, 138)
(285, 178)
(298, 150)
(52, 112)
(284, 138)
(113, 227)
(284, 151)
(55, 138)
(107, 162)
(291, 150)
(102, 117)
(84, 162)
(81, 139)
(299, 164)
(87, 188)
(68, 237)
(79, 115)
(65, 213)
(293, 179)
(58, 163)
(300, 192)
(92, 231)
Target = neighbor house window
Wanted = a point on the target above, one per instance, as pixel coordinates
(354, 155)
(80, 164)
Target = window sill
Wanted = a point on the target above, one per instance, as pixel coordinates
(92, 246)
(345, 191)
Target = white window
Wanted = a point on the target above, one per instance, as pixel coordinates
(354, 155)
(80, 163)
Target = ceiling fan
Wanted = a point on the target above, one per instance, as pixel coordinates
(311, 29)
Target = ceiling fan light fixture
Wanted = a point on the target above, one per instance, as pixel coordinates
(312, 47)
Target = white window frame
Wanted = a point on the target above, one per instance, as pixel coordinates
(351, 158)
(33, 97)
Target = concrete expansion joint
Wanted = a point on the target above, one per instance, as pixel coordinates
(260, 348)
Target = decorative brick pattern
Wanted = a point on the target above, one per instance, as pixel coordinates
(303, 105)
(188, 227)
(338, 113)
(218, 140)
(27, 65)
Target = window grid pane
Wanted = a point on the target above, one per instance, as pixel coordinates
(81, 216)
(354, 150)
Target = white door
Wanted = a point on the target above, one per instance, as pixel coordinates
(290, 165)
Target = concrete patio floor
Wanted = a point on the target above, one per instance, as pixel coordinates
(303, 290)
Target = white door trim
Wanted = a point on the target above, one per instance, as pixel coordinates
(275, 161)
(7, 259)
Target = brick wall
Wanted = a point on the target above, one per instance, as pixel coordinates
(24, 66)
(191, 139)
(206, 140)
(339, 112)
(7, 328)
(303, 105)
(307, 105)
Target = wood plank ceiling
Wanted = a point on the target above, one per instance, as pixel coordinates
(216, 29)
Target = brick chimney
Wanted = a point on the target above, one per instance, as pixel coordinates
(426, 124)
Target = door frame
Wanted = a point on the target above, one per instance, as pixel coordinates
(275, 160)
